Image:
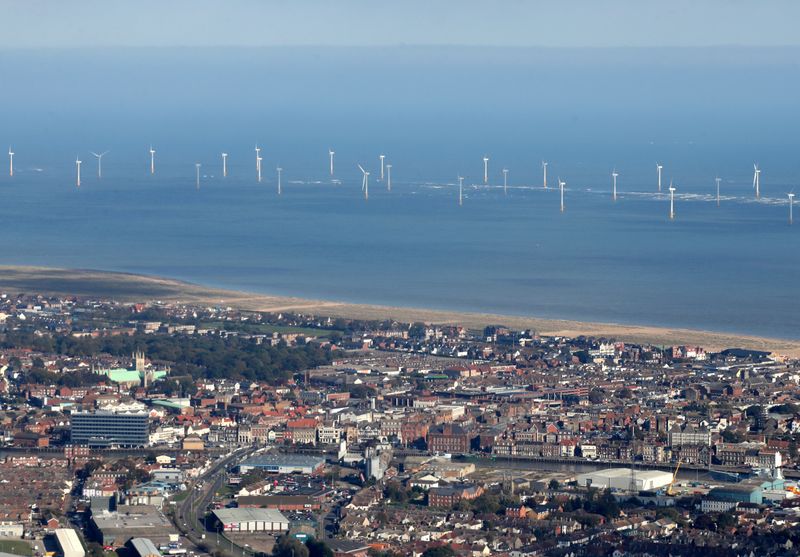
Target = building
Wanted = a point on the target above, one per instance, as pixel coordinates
(284, 464)
(347, 548)
(132, 521)
(280, 502)
(448, 438)
(251, 520)
(689, 435)
(622, 478)
(738, 493)
(449, 496)
(69, 543)
(11, 529)
(107, 429)
(143, 547)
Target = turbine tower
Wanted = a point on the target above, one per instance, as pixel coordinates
(717, 180)
(544, 170)
(505, 181)
(561, 185)
(224, 165)
(197, 170)
(388, 177)
(757, 180)
(10, 162)
(485, 169)
(460, 191)
(99, 162)
(258, 162)
(364, 182)
(330, 154)
(791, 203)
(659, 167)
(382, 157)
(614, 175)
(279, 169)
(78, 166)
(152, 160)
(671, 201)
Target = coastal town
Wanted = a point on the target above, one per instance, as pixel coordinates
(149, 429)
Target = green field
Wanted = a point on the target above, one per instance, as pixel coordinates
(266, 328)
(15, 547)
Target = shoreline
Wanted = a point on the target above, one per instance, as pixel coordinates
(128, 287)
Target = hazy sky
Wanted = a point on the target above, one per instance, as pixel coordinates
(558, 23)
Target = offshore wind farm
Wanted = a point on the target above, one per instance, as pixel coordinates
(491, 208)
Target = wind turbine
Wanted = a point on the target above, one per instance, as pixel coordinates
(505, 181)
(757, 180)
(388, 177)
(659, 167)
(717, 180)
(364, 182)
(561, 185)
(152, 160)
(791, 203)
(279, 169)
(197, 169)
(382, 157)
(99, 162)
(78, 165)
(258, 162)
(544, 169)
(330, 154)
(224, 165)
(10, 161)
(460, 191)
(671, 201)
(485, 169)
(614, 175)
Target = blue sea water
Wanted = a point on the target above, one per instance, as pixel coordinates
(434, 112)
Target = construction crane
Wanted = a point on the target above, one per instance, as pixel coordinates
(674, 477)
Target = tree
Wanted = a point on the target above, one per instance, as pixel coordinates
(596, 395)
(318, 548)
(439, 551)
(486, 503)
(288, 546)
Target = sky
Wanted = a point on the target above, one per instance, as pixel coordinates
(557, 23)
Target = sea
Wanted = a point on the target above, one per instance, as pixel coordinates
(434, 112)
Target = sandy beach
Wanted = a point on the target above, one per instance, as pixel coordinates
(139, 288)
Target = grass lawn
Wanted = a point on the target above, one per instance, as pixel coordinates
(15, 547)
(266, 328)
(181, 496)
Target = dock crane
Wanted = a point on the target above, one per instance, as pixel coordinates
(674, 477)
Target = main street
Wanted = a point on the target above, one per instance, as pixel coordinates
(190, 514)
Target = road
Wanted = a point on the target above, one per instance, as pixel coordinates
(191, 511)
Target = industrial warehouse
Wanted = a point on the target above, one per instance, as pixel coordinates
(251, 520)
(625, 479)
(284, 464)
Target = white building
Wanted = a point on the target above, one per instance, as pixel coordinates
(252, 520)
(69, 543)
(620, 478)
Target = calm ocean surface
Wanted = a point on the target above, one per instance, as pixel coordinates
(434, 113)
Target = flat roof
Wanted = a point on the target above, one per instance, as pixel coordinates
(284, 460)
(626, 472)
(227, 516)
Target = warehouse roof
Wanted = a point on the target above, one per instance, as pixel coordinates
(68, 541)
(145, 548)
(283, 460)
(229, 516)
